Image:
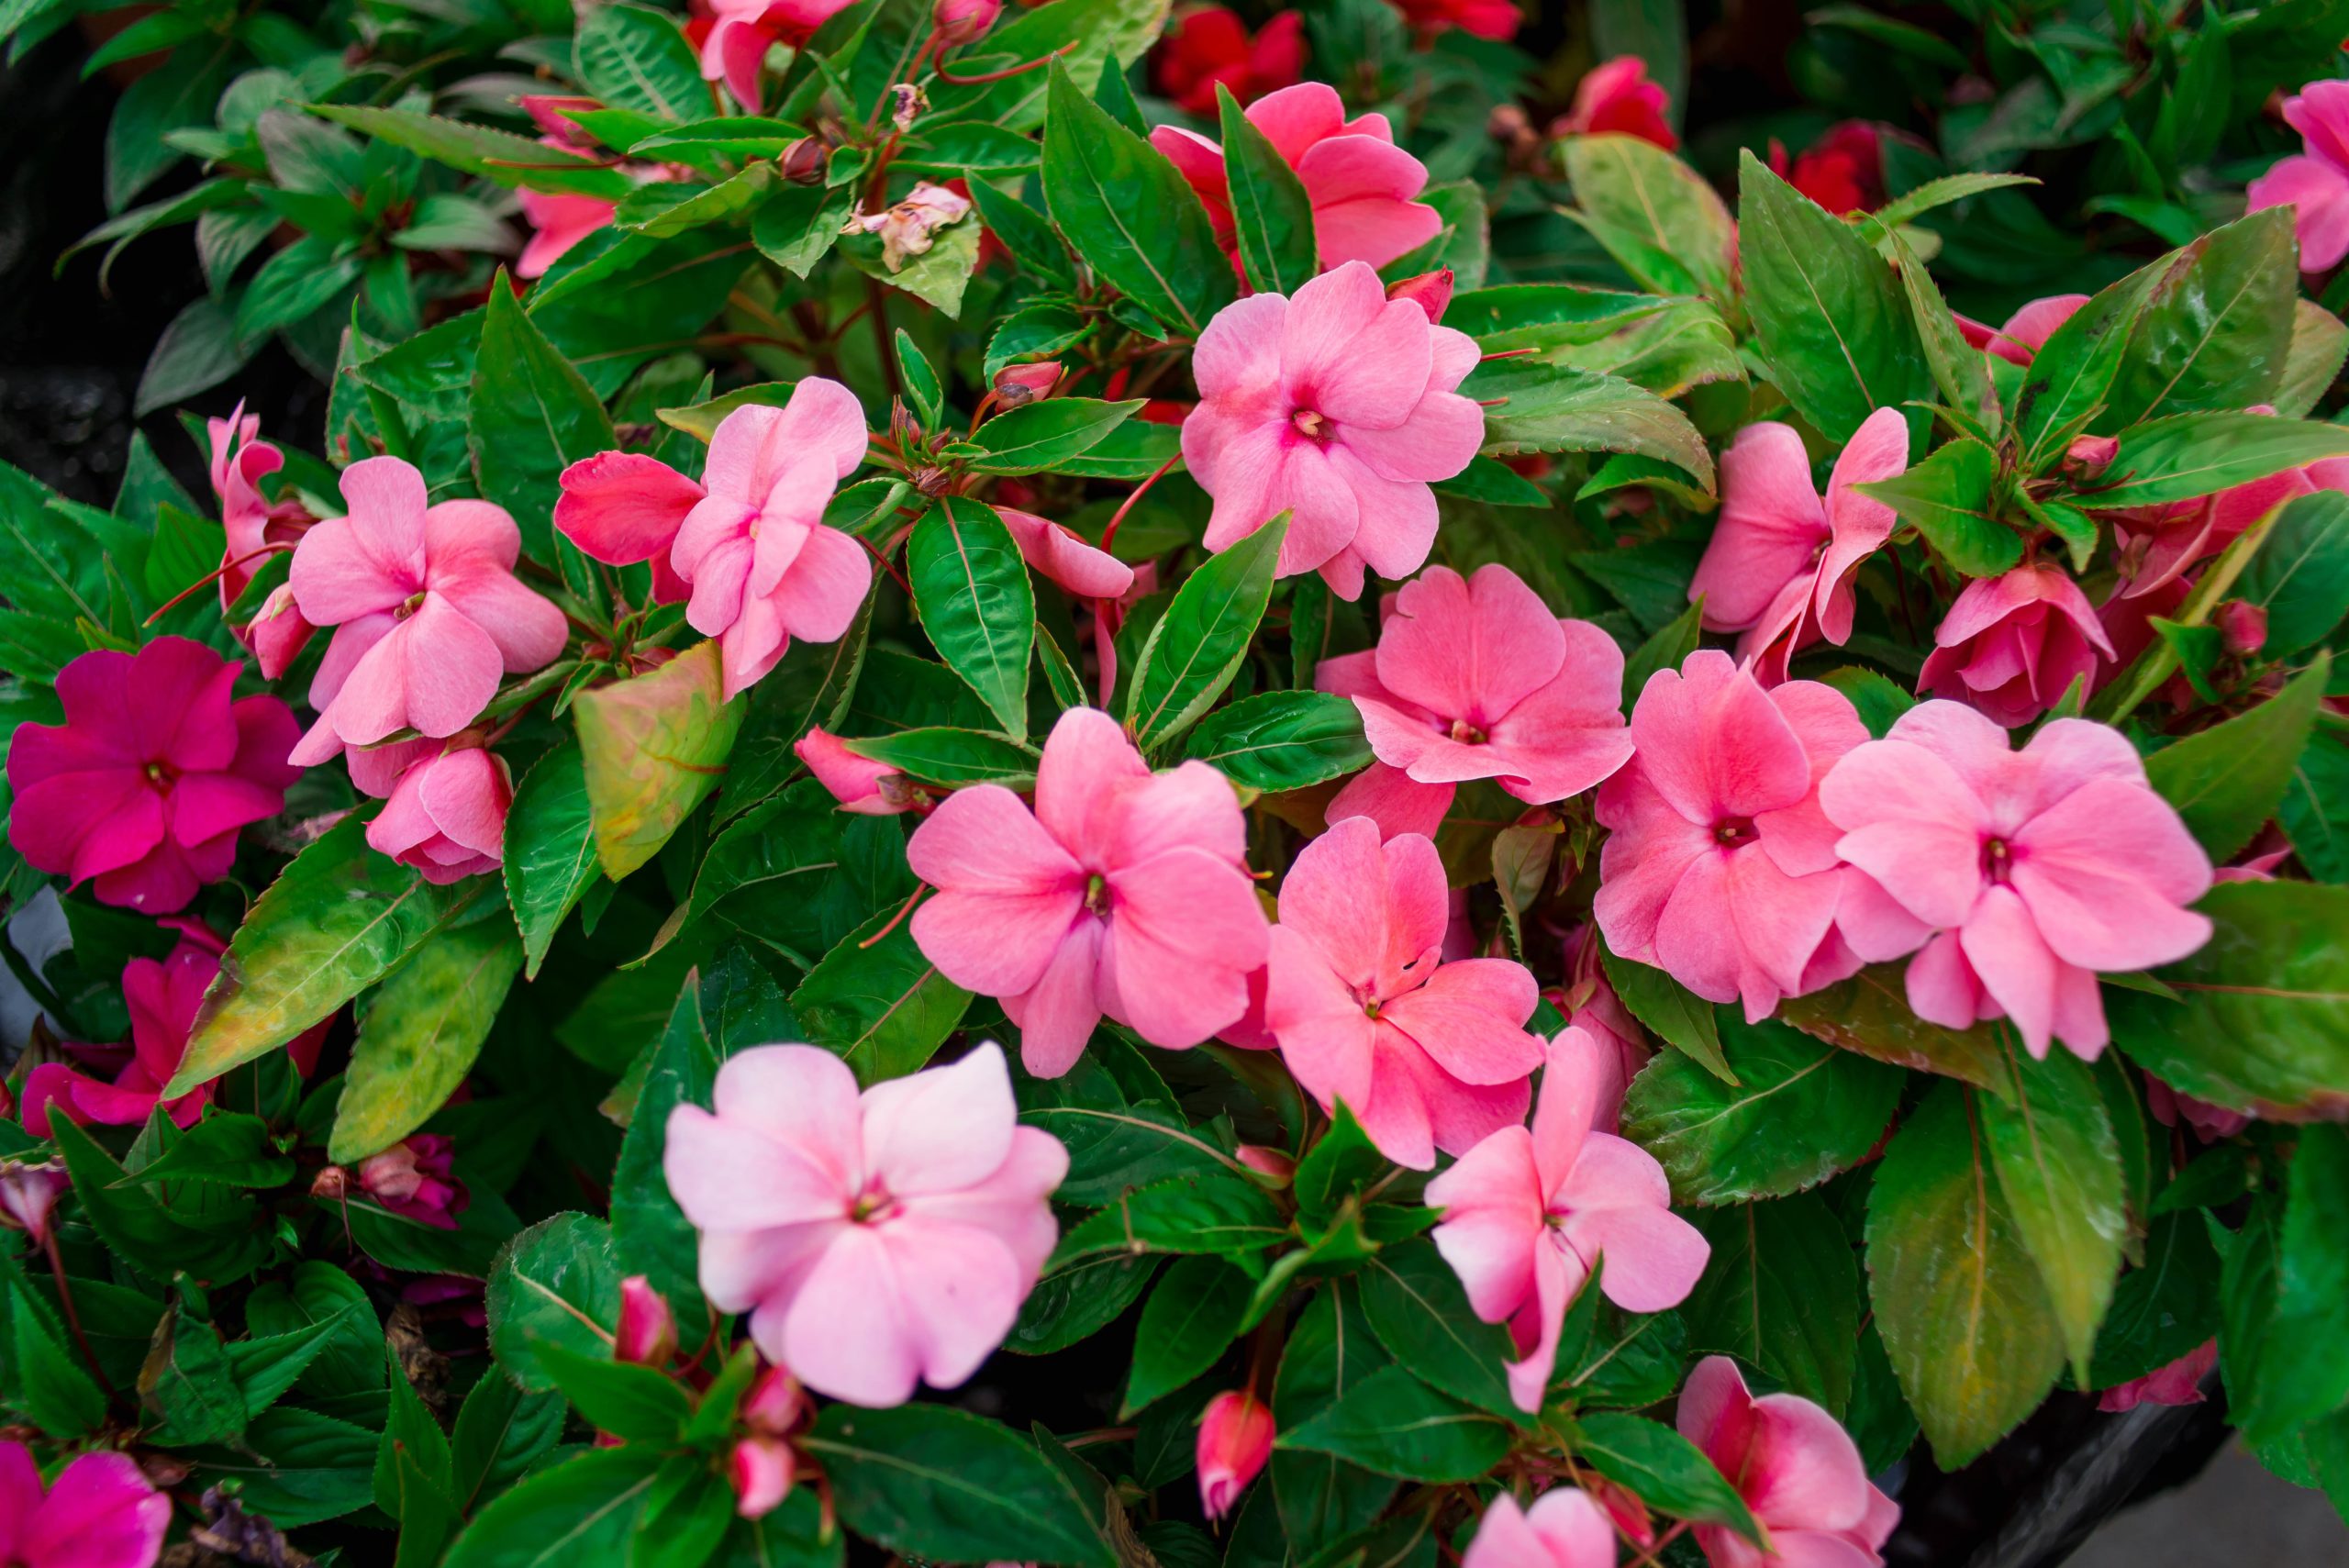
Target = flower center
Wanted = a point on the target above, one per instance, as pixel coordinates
(873, 1206)
(1731, 831)
(1096, 895)
(413, 602)
(1311, 425)
(160, 772)
(1466, 733)
(1998, 860)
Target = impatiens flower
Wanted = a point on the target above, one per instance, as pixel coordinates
(102, 1512)
(446, 815)
(413, 1179)
(736, 49)
(2315, 183)
(1428, 1055)
(646, 1332)
(1722, 869)
(760, 1470)
(158, 765)
(161, 996)
(558, 220)
(427, 611)
(1236, 1435)
(2020, 875)
(1619, 97)
(28, 1193)
(1843, 171)
(1591, 1006)
(859, 783)
(2178, 1383)
(1338, 406)
(1528, 1214)
(1365, 189)
(253, 525)
(748, 542)
(1124, 892)
(1780, 564)
(1495, 19)
(1474, 678)
(2012, 645)
(1797, 1469)
(2026, 331)
(1205, 47)
(1563, 1528)
(1059, 555)
(2159, 544)
(906, 227)
(877, 1239)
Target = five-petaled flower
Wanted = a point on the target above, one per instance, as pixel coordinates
(100, 1512)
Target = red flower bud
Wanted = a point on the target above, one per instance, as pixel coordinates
(964, 21)
(647, 1333)
(760, 1470)
(1235, 1440)
(805, 161)
(2243, 627)
(1429, 290)
(1016, 384)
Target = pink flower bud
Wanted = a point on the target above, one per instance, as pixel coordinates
(1266, 1162)
(776, 1403)
(804, 162)
(28, 1193)
(647, 1333)
(1429, 290)
(2243, 626)
(1016, 384)
(859, 783)
(964, 21)
(760, 1470)
(1235, 1440)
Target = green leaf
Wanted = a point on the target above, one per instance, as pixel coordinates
(632, 57)
(412, 1471)
(2216, 325)
(1638, 189)
(2164, 1307)
(186, 1383)
(1200, 642)
(650, 1235)
(1666, 649)
(884, 1009)
(2300, 575)
(1392, 1423)
(2068, 379)
(556, 1283)
(1328, 1353)
(297, 1466)
(2059, 1172)
(349, 1364)
(531, 417)
(1667, 1470)
(549, 849)
(619, 1397)
(1269, 209)
(501, 1432)
(582, 1510)
(651, 211)
(972, 591)
(1041, 437)
(1027, 234)
(420, 1035)
(1341, 1162)
(1914, 202)
(653, 749)
(1948, 499)
(1073, 1304)
(1556, 408)
(2284, 1346)
(1186, 1324)
(1870, 1014)
(1211, 1213)
(2227, 779)
(55, 1392)
(227, 1147)
(501, 157)
(266, 1367)
(2319, 344)
(1661, 1003)
(1414, 1303)
(949, 756)
(1115, 1141)
(1781, 1293)
(2191, 455)
(1282, 741)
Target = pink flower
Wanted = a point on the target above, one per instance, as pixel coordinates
(906, 226)
(1365, 189)
(1528, 1214)
(2020, 875)
(413, 1179)
(1059, 555)
(254, 524)
(1495, 19)
(876, 1240)
(1781, 562)
(1339, 408)
(736, 49)
(760, 1470)
(1207, 46)
(1236, 1435)
(1619, 97)
(2012, 645)
(1721, 870)
(1429, 1055)
(646, 1333)
(1591, 1006)
(2315, 183)
(1797, 1469)
(446, 815)
(1124, 892)
(2169, 1107)
(748, 542)
(2026, 331)
(427, 611)
(961, 22)
(559, 221)
(1474, 678)
(1563, 1528)
(2158, 545)
(859, 783)
(162, 996)
(2179, 1382)
(101, 1513)
(28, 1193)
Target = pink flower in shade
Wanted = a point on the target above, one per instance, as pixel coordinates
(414, 1179)
(1722, 869)
(2158, 545)
(154, 771)
(1236, 1435)
(2169, 1106)
(646, 1333)
(427, 611)
(1206, 47)
(28, 1194)
(1429, 1055)
(1339, 408)
(859, 783)
(1528, 1214)
(1619, 97)
(1474, 678)
(1781, 562)
(2314, 182)
(1059, 555)
(2012, 645)
(162, 996)
(2179, 1382)
(876, 1240)
(1591, 1006)
(559, 221)
(747, 546)
(1563, 1528)
(2020, 875)
(1125, 893)
(2026, 331)
(1495, 19)
(1365, 189)
(101, 1513)
(1797, 1469)
(446, 815)
(253, 524)
(736, 49)
(760, 1470)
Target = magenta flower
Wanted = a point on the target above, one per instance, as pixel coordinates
(415, 1179)
(2314, 182)
(2020, 875)
(1057, 554)
(1563, 1529)
(253, 524)
(859, 783)
(1797, 1469)
(427, 611)
(1781, 562)
(154, 771)
(1429, 1055)
(1338, 406)
(101, 1513)
(737, 47)
(1236, 1435)
(2012, 645)
(748, 544)
(2177, 1383)
(1474, 678)
(876, 1240)
(161, 996)
(446, 815)
(1124, 894)
(1365, 189)
(1722, 869)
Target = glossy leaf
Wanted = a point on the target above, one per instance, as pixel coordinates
(972, 591)
(1200, 642)
(1781, 1293)
(885, 1009)
(653, 749)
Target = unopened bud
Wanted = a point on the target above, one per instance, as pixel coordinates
(28, 1194)
(647, 1331)
(332, 1183)
(1236, 1434)
(1508, 123)
(2243, 627)
(1266, 1162)
(805, 161)
(964, 21)
(1016, 384)
(1429, 290)
(760, 1470)
(930, 481)
(776, 1403)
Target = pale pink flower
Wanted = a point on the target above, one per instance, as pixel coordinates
(2314, 182)
(909, 225)
(1365, 189)
(446, 815)
(1528, 1214)
(1125, 893)
(1798, 1472)
(1474, 678)
(1780, 564)
(1563, 1529)
(101, 1512)
(736, 49)
(2020, 875)
(646, 1332)
(2026, 331)
(1722, 869)
(879, 1239)
(748, 542)
(2012, 645)
(1060, 556)
(1338, 406)
(253, 524)
(427, 611)
(2177, 1382)
(1618, 97)
(859, 783)
(1429, 1055)
(1236, 1435)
